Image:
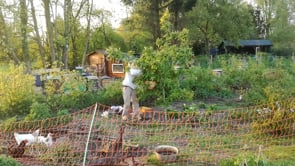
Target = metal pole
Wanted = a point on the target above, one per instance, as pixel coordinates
(89, 134)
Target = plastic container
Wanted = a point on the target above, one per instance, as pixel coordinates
(146, 112)
(166, 153)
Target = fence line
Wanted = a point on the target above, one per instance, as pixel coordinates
(189, 138)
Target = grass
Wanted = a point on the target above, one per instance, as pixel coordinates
(280, 155)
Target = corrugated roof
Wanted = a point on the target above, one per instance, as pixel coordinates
(249, 43)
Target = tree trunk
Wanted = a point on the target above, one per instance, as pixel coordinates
(24, 23)
(156, 19)
(67, 31)
(6, 40)
(38, 38)
(49, 30)
(89, 11)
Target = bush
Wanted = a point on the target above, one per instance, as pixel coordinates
(204, 84)
(16, 90)
(111, 94)
(72, 102)
(159, 65)
(38, 111)
(8, 161)
(62, 112)
(8, 124)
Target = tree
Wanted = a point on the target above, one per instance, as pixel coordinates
(266, 8)
(6, 41)
(67, 30)
(49, 27)
(88, 17)
(210, 22)
(283, 34)
(38, 38)
(147, 15)
(276, 21)
(159, 65)
(75, 32)
(24, 22)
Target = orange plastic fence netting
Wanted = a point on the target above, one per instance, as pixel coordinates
(94, 137)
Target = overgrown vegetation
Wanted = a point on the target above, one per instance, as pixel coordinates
(8, 161)
(179, 76)
(61, 153)
(16, 91)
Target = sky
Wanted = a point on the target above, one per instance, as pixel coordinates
(118, 10)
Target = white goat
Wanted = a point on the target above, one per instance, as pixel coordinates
(32, 138)
(46, 140)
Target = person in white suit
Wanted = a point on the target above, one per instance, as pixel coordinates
(129, 93)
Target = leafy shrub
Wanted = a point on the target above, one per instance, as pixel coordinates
(202, 105)
(38, 111)
(16, 90)
(204, 84)
(64, 82)
(8, 161)
(180, 95)
(72, 102)
(62, 112)
(159, 65)
(67, 90)
(8, 124)
(63, 117)
(111, 94)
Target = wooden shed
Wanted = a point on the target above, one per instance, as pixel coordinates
(245, 46)
(101, 66)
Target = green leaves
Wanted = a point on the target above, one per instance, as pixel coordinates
(38, 111)
(16, 91)
(159, 65)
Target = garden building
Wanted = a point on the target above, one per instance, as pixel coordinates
(99, 64)
(245, 46)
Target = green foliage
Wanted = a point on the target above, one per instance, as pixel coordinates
(16, 91)
(72, 102)
(117, 55)
(111, 94)
(205, 27)
(204, 84)
(152, 159)
(62, 112)
(108, 37)
(8, 161)
(68, 91)
(243, 159)
(38, 111)
(159, 65)
(61, 153)
(8, 124)
(259, 80)
(64, 82)
(275, 123)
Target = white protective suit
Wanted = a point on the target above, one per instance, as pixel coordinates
(129, 93)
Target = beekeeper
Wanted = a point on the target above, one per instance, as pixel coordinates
(129, 93)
